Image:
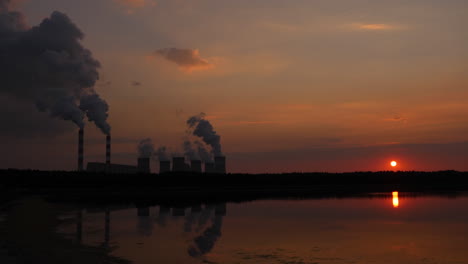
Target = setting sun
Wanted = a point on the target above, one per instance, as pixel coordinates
(393, 163)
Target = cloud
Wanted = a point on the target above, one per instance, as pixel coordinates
(136, 3)
(397, 118)
(260, 122)
(136, 83)
(187, 59)
(47, 66)
(373, 27)
(132, 5)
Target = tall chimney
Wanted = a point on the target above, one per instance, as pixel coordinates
(108, 152)
(80, 149)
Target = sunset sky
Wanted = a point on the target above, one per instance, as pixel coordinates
(303, 85)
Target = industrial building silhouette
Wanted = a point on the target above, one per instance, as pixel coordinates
(144, 163)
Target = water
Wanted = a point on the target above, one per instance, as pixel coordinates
(391, 229)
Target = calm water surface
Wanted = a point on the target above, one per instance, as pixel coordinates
(392, 229)
(353, 230)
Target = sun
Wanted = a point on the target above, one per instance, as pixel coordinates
(393, 163)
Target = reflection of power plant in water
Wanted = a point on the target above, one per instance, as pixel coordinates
(178, 211)
(164, 212)
(204, 222)
(107, 228)
(79, 227)
(145, 224)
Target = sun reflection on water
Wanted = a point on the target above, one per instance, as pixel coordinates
(396, 202)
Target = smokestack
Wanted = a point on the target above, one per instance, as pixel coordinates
(209, 167)
(108, 153)
(178, 164)
(80, 149)
(220, 164)
(108, 150)
(144, 165)
(196, 166)
(164, 166)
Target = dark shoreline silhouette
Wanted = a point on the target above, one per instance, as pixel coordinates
(181, 188)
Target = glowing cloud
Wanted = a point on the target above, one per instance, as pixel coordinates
(131, 5)
(374, 27)
(187, 59)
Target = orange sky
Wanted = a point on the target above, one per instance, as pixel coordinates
(290, 86)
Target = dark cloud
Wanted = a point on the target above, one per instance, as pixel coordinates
(47, 66)
(136, 83)
(188, 59)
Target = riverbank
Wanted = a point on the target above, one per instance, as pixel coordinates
(181, 187)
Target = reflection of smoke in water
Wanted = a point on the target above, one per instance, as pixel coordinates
(207, 238)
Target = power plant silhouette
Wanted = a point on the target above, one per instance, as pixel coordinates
(144, 163)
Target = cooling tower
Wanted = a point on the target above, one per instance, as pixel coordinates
(209, 167)
(144, 165)
(178, 164)
(164, 166)
(80, 149)
(220, 164)
(196, 166)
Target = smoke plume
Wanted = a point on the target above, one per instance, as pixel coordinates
(47, 66)
(203, 153)
(189, 151)
(96, 110)
(161, 153)
(202, 128)
(146, 148)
